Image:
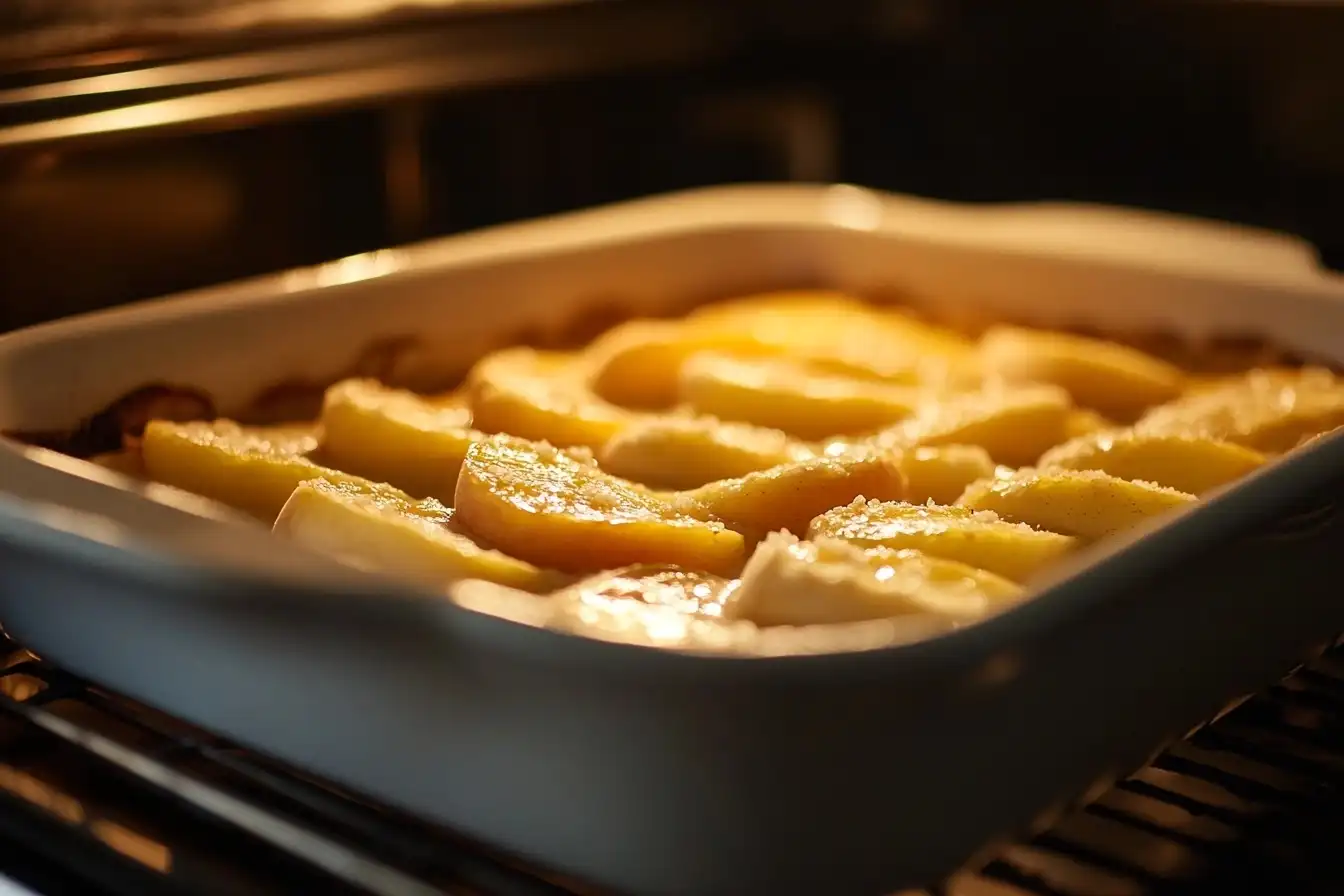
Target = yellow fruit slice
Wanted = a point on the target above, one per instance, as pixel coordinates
(1083, 422)
(835, 327)
(1267, 411)
(784, 394)
(379, 528)
(686, 452)
(792, 582)
(637, 364)
(254, 469)
(394, 436)
(1013, 425)
(542, 396)
(790, 495)
(1187, 463)
(688, 592)
(1015, 551)
(543, 505)
(1083, 503)
(1113, 379)
(941, 473)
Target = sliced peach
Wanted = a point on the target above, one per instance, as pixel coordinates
(1188, 463)
(546, 506)
(790, 495)
(824, 325)
(1104, 376)
(254, 469)
(685, 452)
(792, 582)
(1015, 425)
(1269, 411)
(1015, 551)
(394, 436)
(637, 364)
(543, 396)
(1083, 503)
(1083, 422)
(380, 528)
(785, 394)
(940, 473)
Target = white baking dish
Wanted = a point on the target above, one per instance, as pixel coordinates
(653, 771)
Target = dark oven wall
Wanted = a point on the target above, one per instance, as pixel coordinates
(1224, 110)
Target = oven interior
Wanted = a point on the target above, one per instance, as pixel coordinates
(145, 149)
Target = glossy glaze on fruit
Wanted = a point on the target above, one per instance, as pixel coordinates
(776, 473)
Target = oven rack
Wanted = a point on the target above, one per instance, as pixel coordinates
(105, 795)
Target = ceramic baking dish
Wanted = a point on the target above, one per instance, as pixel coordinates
(658, 772)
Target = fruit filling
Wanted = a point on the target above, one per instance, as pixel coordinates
(787, 472)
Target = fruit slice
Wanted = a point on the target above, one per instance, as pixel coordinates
(1187, 463)
(790, 495)
(1014, 425)
(792, 582)
(785, 394)
(687, 592)
(941, 473)
(254, 469)
(638, 363)
(1114, 379)
(1083, 422)
(1015, 551)
(394, 436)
(820, 325)
(550, 508)
(1083, 503)
(686, 452)
(1267, 411)
(379, 528)
(542, 396)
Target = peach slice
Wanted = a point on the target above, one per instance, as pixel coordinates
(252, 468)
(790, 495)
(555, 510)
(792, 582)
(1114, 379)
(543, 396)
(379, 528)
(1015, 551)
(637, 364)
(685, 452)
(1014, 425)
(940, 473)
(395, 436)
(1083, 422)
(1084, 503)
(1188, 463)
(1268, 411)
(824, 325)
(787, 394)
